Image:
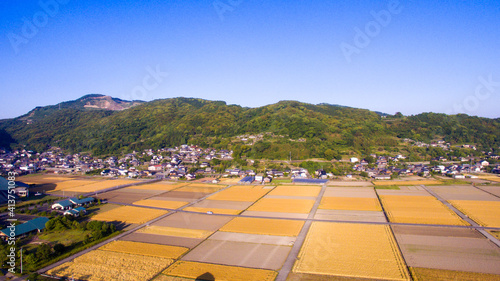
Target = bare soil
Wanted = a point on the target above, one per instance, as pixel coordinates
(252, 255)
(220, 204)
(462, 192)
(436, 231)
(194, 221)
(346, 215)
(356, 192)
(254, 238)
(163, 240)
(275, 214)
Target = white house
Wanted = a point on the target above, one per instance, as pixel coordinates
(354, 160)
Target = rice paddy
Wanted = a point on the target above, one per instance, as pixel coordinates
(213, 210)
(129, 214)
(264, 226)
(106, 265)
(240, 193)
(405, 183)
(350, 203)
(419, 209)
(144, 249)
(196, 270)
(161, 203)
(485, 213)
(175, 231)
(296, 190)
(352, 250)
(283, 205)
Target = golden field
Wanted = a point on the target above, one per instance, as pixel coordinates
(263, 226)
(193, 270)
(292, 190)
(301, 206)
(129, 214)
(201, 188)
(213, 210)
(174, 231)
(430, 274)
(240, 193)
(161, 203)
(64, 185)
(144, 249)
(158, 186)
(105, 266)
(485, 213)
(99, 185)
(41, 179)
(350, 203)
(419, 209)
(352, 250)
(405, 183)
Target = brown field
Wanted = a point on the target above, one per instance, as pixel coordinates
(165, 186)
(99, 185)
(240, 193)
(345, 249)
(274, 215)
(176, 231)
(127, 196)
(436, 231)
(463, 192)
(346, 215)
(105, 265)
(179, 196)
(405, 183)
(202, 188)
(485, 213)
(317, 277)
(350, 203)
(419, 209)
(350, 183)
(144, 249)
(429, 274)
(296, 190)
(364, 192)
(129, 214)
(405, 191)
(196, 270)
(220, 204)
(160, 203)
(264, 226)
(253, 238)
(253, 255)
(42, 179)
(283, 205)
(213, 210)
(491, 189)
(194, 221)
(450, 253)
(162, 239)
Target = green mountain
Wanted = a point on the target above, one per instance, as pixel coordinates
(105, 126)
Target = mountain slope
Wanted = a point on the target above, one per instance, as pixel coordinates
(100, 124)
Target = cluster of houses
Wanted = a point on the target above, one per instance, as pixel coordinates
(73, 206)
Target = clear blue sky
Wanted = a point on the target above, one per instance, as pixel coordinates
(429, 56)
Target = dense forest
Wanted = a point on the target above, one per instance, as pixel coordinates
(288, 127)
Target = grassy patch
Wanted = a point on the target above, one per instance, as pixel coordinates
(66, 237)
(282, 181)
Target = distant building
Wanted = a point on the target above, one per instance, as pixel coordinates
(32, 226)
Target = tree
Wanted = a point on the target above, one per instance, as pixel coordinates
(43, 252)
(59, 248)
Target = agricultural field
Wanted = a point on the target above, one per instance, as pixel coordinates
(161, 203)
(406, 183)
(343, 249)
(144, 249)
(447, 249)
(99, 186)
(201, 188)
(263, 226)
(349, 215)
(429, 274)
(295, 190)
(485, 213)
(350, 203)
(176, 231)
(356, 192)
(106, 265)
(43, 179)
(241, 193)
(128, 195)
(301, 206)
(129, 214)
(404, 190)
(221, 204)
(419, 209)
(213, 210)
(165, 186)
(206, 271)
(193, 221)
(462, 192)
(65, 185)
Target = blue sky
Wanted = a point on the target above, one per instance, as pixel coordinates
(418, 56)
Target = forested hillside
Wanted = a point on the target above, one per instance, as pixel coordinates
(304, 130)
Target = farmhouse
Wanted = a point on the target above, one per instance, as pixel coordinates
(34, 225)
(76, 211)
(71, 203)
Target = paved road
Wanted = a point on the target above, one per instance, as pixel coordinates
(292, 256)
(464, 217)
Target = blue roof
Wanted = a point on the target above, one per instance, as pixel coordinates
(247, 179)
(79, 209)
(65, 203)
(38, 223)
(81, 201)
(314, 181)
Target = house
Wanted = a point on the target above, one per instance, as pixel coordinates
(458, 176)
(382, 177)
(354, 160)
(62, 205)
(81, 202)
(76, 212)
(20, 230)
